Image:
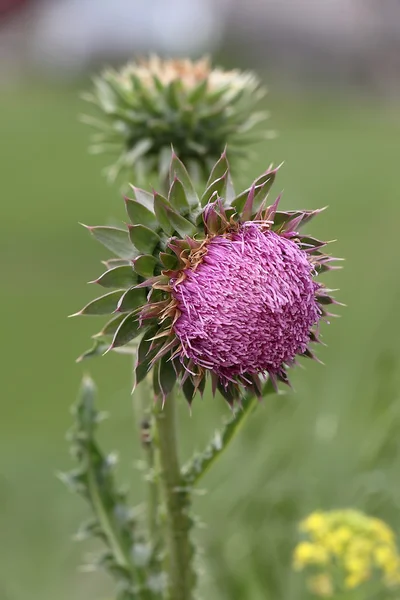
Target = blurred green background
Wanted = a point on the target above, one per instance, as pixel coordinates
(333, 443)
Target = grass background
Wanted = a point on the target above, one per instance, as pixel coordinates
(334, 443)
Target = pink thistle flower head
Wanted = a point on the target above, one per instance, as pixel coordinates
(249, 307)
(220, 285)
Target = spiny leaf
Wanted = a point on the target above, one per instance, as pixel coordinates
(118, 277)
(144, 265)
(143, 198)
(177, 197)
(179, 223)
(160, 204)
(177, 169)
(127, 331)
(219, 169)
(218, 185)
(132, 299)
(116, 240)
(105, 305)
(143, 238)
(139, 214)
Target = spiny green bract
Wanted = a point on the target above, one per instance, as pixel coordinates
(149, 105)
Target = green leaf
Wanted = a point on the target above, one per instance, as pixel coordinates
(119, 277)
(139, 214)
(177, 197)
(144, 198)
(178, 170)
(166, 376)
(143, 238)
(160, 204)
(131, 300)
(180, 224)
(144, 265)
(219, 169)
(98, 349)
(218, 185)
(116, 240)
(127, 331)
(105, 305)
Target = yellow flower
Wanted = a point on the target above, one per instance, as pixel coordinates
(353, 544)
(315, 523)
(309, 554)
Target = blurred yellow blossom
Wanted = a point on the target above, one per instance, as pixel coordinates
(342, 549)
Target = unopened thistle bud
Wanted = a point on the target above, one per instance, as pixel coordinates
(150, 104)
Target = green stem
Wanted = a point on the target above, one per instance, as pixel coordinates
(200, 464)
(147, 430)
(180, 573)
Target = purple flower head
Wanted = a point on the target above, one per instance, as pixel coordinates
(220, 285)
(249, 306)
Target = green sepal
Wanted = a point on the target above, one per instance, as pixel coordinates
(262, 185)
(170, 220)
(160, 204)
(230, 393)
(116, 240)
(104, 305)
(177, 197)
(219, 169)
(126, 332)
(119, 277)
(141, 215)
(143, 238)
(144, 355)
(188, 390)
(131, 300)
(178, 170)
(169, 261)
(144, 265)
(166, 376)
(218, 187)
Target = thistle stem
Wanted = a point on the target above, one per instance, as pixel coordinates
(180, 572)
(147, 431)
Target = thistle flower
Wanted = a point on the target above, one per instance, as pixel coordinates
(221, 285)
(344, 549)
(153, 103)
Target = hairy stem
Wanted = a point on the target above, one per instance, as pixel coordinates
(180, 572)
(147, 432)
